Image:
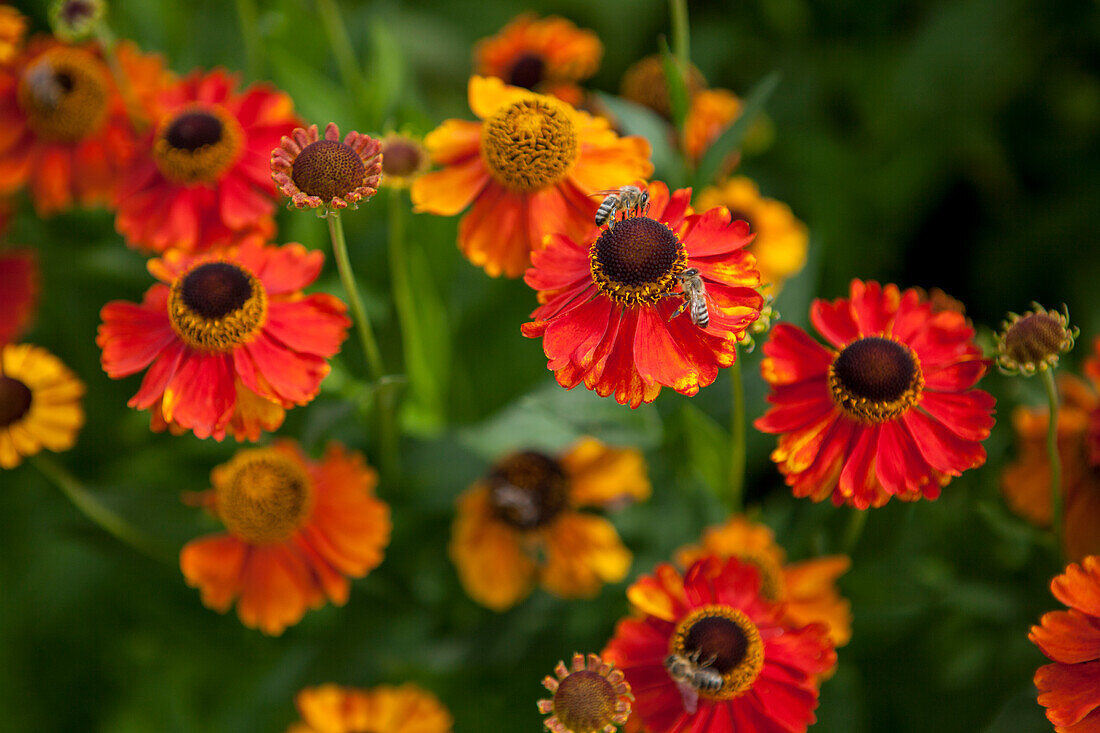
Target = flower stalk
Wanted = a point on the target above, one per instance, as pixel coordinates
(1055, 462)
(737, 439)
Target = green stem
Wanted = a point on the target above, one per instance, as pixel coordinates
(856, 522)
(1055, 461)
(347, 278)
(338, 38)
(246, 14)
(90, 506)
(405, 301)
(737, 439)
(681, 36)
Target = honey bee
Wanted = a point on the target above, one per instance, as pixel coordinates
(625, 200)
(695, 297)
(691, 676)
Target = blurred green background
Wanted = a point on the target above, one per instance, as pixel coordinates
(935, 143)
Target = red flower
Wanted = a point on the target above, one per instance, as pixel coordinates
(762, 672)
(66, 132)
(231, 338)
(206, 180)
(18, 292)
(608, 304)
(1070, 688)
(887, 409)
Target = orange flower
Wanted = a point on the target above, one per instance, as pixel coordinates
(807, 589)
(888, 408)
(590, 696)
(297, 530)
(548, 56)
(1026, 481)
(710, 654)
(18, 292)
(609, 302)
(781, 240)
(13, 26)
(529, 169)
(230, 338)
(520, 524)
(205, 181)
(385, 709)
(1070, 688)
(39, 403)
(327, 174)
(711, 112)
(66, 132)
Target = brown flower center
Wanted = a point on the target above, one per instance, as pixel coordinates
(528, 490)
(726, 640)
(637, 261)
(875, 379)
(401, 157)
(216, 306)
(530, 144)
(64, 93)
(15, 400)
(585, 702)
(527, 71)
(1035, 338)
(263, 496)
(73, 12)
(328, 169)
(198, 144)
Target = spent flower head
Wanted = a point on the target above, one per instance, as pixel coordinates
(404, 158)
(589, 696)
(76, 20)
(1033, 342)
(326, 174)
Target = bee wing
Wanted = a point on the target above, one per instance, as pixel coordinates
(605, 192)
(690, 696)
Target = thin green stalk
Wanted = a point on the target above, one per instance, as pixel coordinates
(250, 32)
(1055, 461)
(737, 439)
(681, 35)
(347, 278)
(90, 506)
(856, 522)
(342, 49)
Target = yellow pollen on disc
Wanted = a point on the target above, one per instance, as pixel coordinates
(263, 496)
(216, 306)
(64, 93)
(530, 144)
(726, 640)
(637, 261)
(875, 379)
(198, 144)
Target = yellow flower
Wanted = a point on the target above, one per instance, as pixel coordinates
(39, 403)
(808, 588)
(13, 26)
(385, 709)
(519, 524)
(781, 239)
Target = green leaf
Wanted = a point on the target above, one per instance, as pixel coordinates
(677, 89)
(634, 119)
(316, 96)
(386, 75)
(730, 140)
(705, 447)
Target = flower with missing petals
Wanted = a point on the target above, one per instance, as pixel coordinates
(204, 182)
(404, 158)
(67, 134)
(297, 529)
(781, 240)
(547, 55)
(1034, 341)
(608, 301)
(324, 173)
(756, 670)
(529, 169)
(76, 20)
(1070, 688)
(887, 408)
(521, 524)
(229, 339)
(591, 696)
(39, 403)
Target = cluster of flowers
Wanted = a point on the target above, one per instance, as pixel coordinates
(729, 638)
